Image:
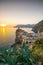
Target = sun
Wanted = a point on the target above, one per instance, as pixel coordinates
(3, 25)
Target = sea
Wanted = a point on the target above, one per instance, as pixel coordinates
(8, 35)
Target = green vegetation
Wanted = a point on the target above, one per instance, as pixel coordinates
(38, 27)
(38, 50)
(23, 55)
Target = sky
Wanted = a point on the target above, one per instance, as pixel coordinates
(21, 12)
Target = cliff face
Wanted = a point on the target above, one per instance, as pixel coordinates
(18, 39)
(38, 27)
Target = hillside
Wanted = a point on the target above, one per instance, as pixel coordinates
(38, 27)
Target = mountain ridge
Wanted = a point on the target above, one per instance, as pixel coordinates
(25, 26)
(38, 27)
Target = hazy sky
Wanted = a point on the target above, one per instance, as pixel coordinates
(21, 12)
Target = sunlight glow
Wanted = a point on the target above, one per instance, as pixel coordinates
(3, 25)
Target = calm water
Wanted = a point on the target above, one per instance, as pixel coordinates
(7, 35)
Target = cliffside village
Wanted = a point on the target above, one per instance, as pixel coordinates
(30, 37)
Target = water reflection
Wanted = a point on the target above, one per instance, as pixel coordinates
(7, 36)
(4, 34)
(3, 30)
